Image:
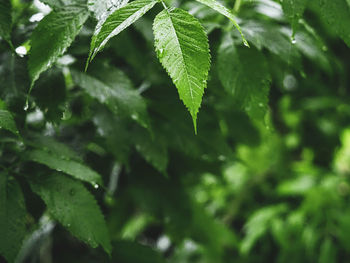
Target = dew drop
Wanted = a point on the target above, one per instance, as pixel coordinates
(134, 116)
(245, 43)
(95, 185)
(161, 52)
(26, 106)
(294, 41)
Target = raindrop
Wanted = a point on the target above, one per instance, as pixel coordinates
(21, 51)
(294, 41)
(95, 185)
(26, 106)
(161, 52)
(245, 43)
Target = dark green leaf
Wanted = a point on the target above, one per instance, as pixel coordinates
(118, 95)
(64, 164)
(74, 207)
(131, 252)
(293, 9)
(7, 122)
(249, 91)
(337, 14)
(12, 217)
(49, 144)
(5, 20)
(154, 151)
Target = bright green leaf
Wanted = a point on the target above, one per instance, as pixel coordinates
(182, 48)
(226, 12)
(117, 22)
(73, 168)
(12, 218)
(249, 91)
(7, 122)
(74, 207)
(119, 96)
(50, 39)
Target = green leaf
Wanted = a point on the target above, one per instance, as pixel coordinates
(293, 9)
(50, 39)
(337, 14)
(264, 34)
(50, 145)
(103, 8)
(61, 163)
(7, 122)
(132, 252)
(74, 207)
(182, 48)
(120, 97)
(62, 3)
(5, 20)
(226, 12)
(117, 22)
(249, 91)
(152, 149)
(12, 218)
(258, 224)
(49, 93)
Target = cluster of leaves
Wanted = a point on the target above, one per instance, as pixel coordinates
(99, 161)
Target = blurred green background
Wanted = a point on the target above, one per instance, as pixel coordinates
(265, 180)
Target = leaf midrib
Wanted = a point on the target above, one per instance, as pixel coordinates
(183, 59)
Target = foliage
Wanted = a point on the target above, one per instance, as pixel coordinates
(100, 162)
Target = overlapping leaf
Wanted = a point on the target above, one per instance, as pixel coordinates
(117, 22)
(63, 3)
(7, 122)
(337, 14)
(119, 96)
(103, 8)
(226, 12)
(249, 91)
(12, 218)
(54, 34)
(5, 19)
(62, 163)
(74, 207)
(132, 252)
(182, 48)
(293, 9)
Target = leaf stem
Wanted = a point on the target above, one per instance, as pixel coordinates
(164, 5)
